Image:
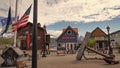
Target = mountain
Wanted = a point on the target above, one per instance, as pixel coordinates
(53, 42)
(80, 39)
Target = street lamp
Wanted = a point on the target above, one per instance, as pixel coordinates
(110, 48)
(44, 46)
(44, 50)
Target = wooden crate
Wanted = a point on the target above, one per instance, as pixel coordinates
(20, 64)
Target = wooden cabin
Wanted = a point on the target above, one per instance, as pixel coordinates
(25, 36)
(100, 37)
(68, 40)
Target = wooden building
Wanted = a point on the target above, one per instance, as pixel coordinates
(100, 37)
(25, 36)
(115, 36)
(68, 40)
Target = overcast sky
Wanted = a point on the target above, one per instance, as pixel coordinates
(77, 12)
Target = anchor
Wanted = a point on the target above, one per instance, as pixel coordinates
(110, 59)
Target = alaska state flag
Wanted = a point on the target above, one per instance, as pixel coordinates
(4, 22)
(8, 22)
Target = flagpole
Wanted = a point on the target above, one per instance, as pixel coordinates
(34, 38)
(15, 33)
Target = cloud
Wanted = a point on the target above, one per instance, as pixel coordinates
(54, 33)
(51, 11)
(78, 10)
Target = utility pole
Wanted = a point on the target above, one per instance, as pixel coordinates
(34, 37)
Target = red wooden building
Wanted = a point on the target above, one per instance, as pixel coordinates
(25, 36)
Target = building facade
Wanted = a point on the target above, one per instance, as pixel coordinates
(25, 37)
(68, 40)
(116, 37)
(100, 37)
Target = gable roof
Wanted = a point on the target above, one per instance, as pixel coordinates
(98, 33)
(29, 27)
(65, 29)
(115, 32)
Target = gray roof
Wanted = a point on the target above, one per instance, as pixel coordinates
(115, 32)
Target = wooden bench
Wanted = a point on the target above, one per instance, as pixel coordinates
(61, 52)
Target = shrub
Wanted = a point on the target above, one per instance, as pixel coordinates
(118, 47)
(6, 41)
(91, 42)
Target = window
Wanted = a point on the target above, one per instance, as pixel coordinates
(59, 45)
(69, 32)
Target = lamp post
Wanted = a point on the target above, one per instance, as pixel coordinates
(44, 49)
(44, 46)
(110, 48)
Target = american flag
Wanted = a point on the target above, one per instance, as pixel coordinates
(22, 22)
